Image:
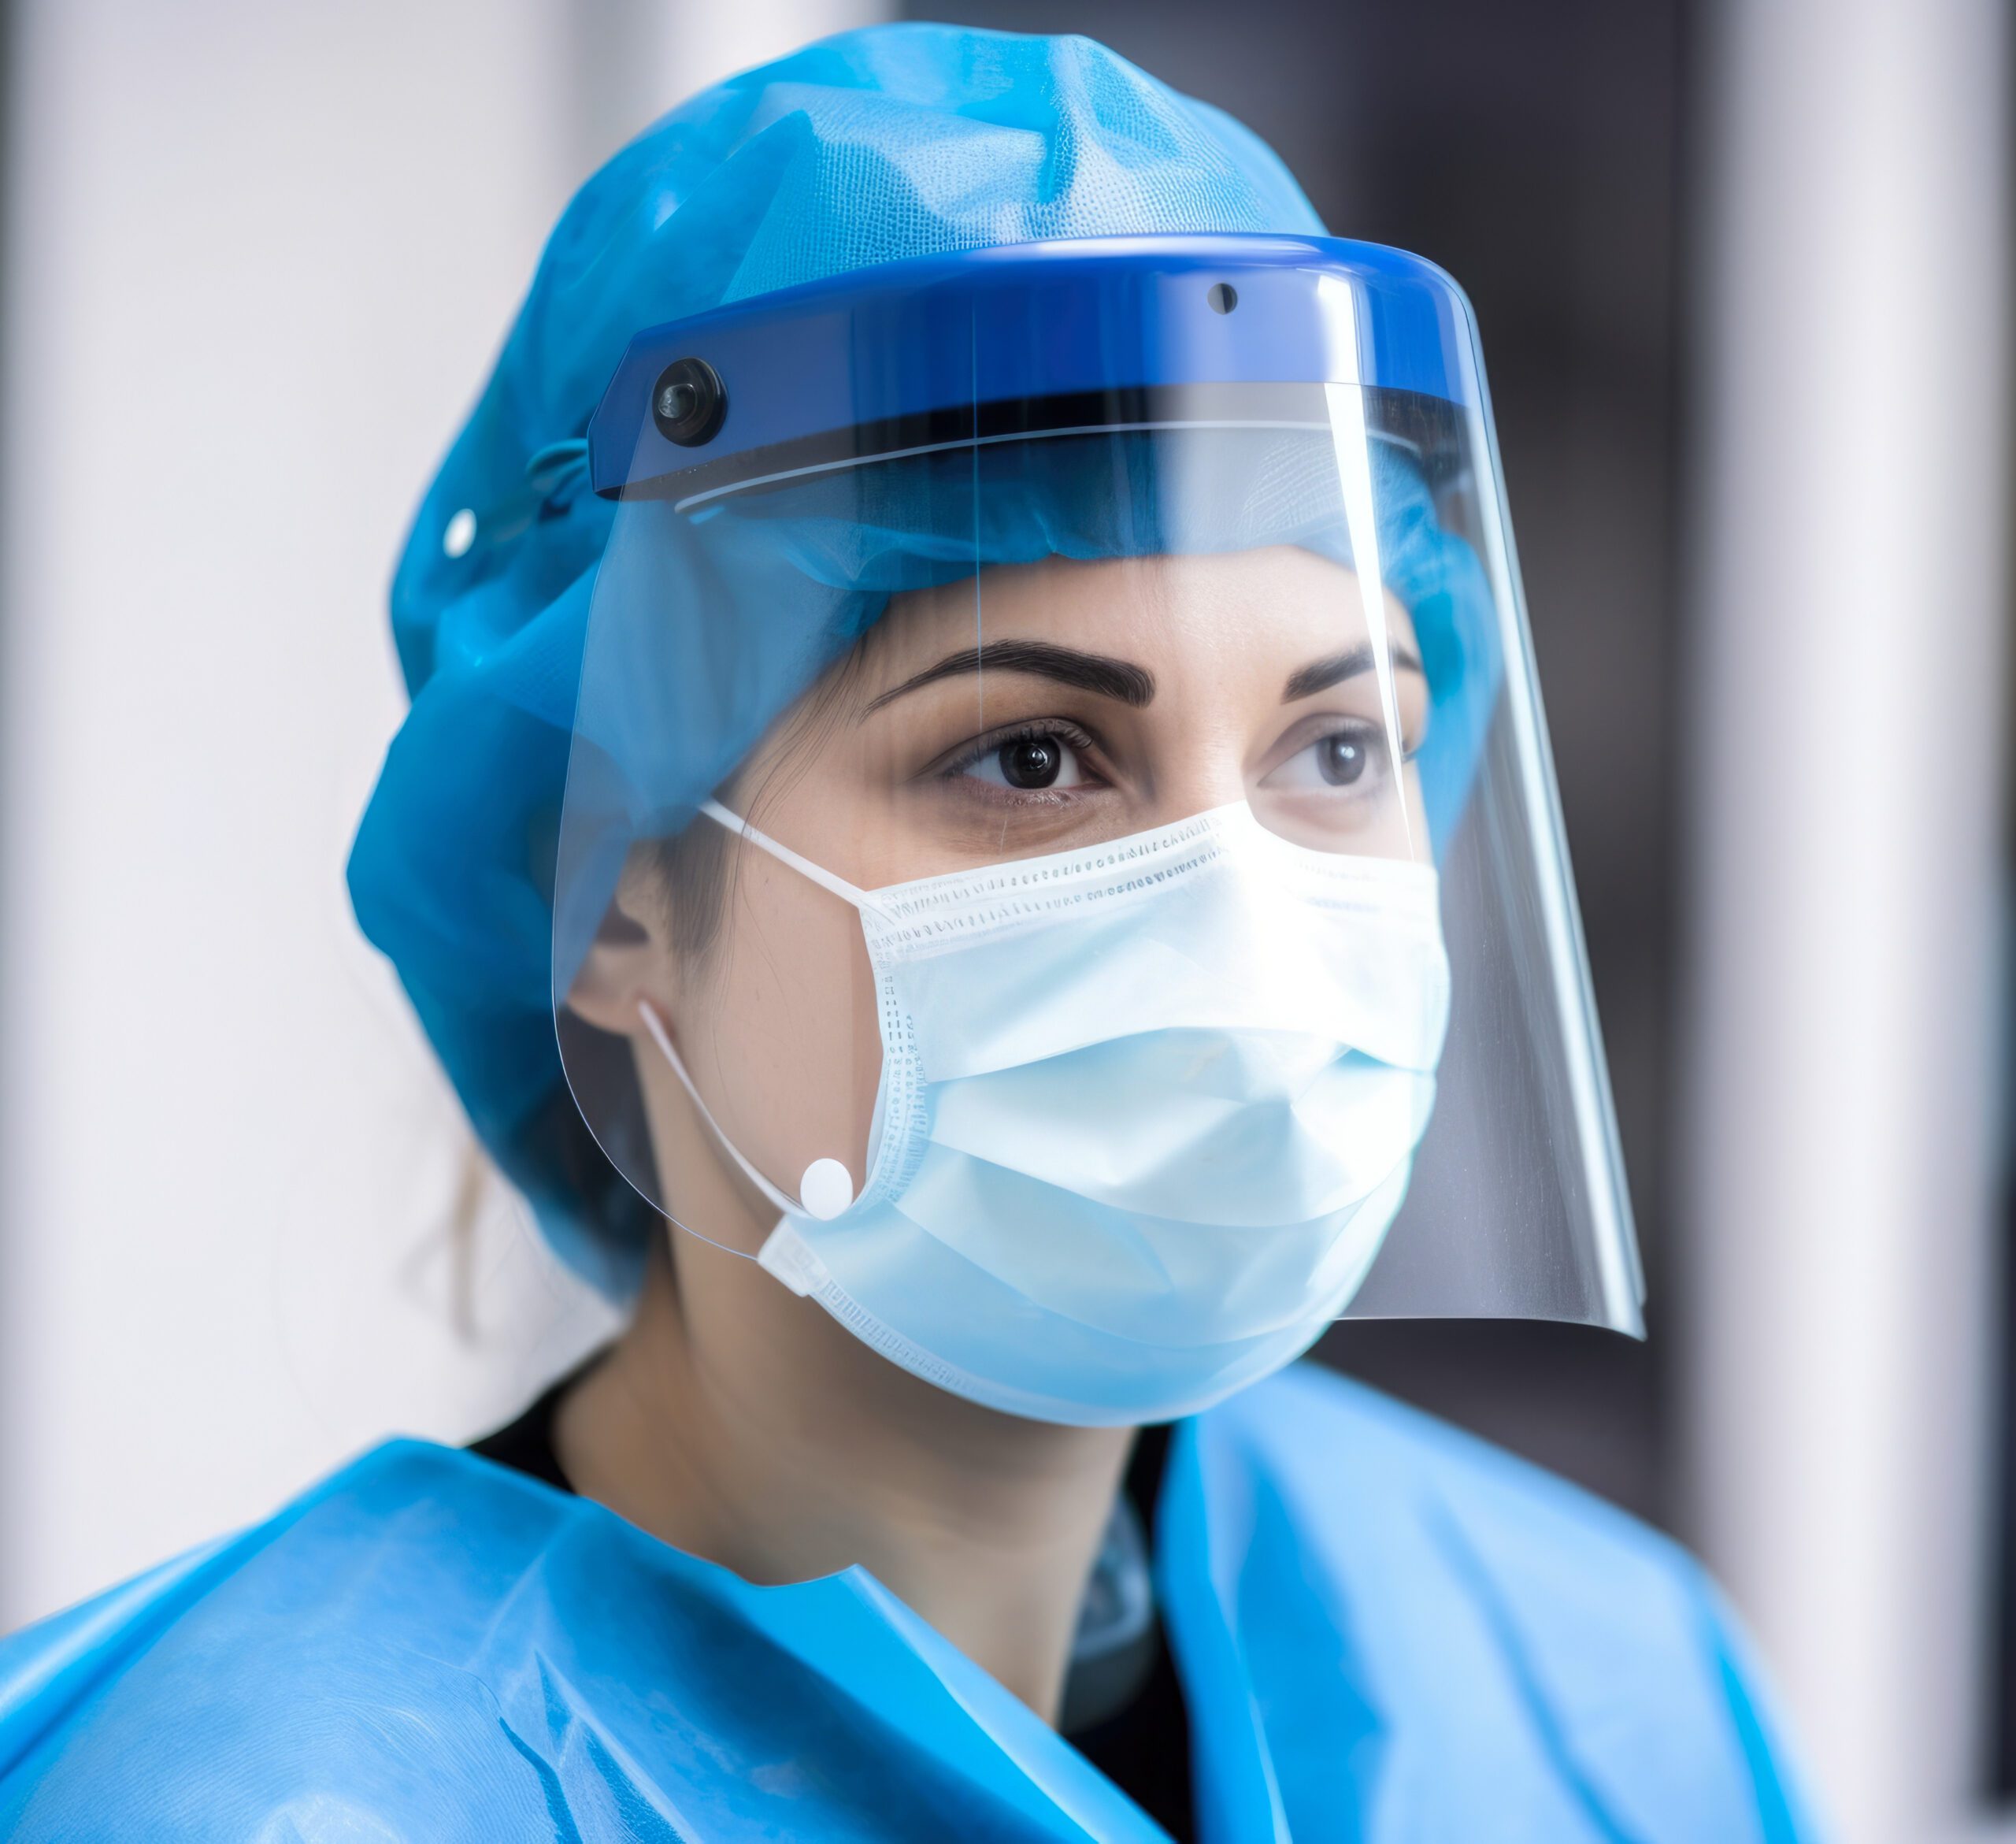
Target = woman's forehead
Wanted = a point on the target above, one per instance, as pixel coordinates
(1272, 601)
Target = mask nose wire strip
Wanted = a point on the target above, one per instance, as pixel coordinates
(818, 873)
(660, 1037)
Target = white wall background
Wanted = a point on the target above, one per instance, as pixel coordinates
(1843, 751)
(259, 259)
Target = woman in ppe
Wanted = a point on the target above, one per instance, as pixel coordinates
(976, 834)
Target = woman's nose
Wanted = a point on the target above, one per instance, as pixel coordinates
(1196, 774)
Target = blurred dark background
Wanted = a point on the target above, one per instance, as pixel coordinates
(1531, 149)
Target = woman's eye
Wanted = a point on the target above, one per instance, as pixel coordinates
(1351, 759)
(1341, 759)
(1029, 763)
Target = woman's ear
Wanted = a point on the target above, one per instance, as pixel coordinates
(631, 959)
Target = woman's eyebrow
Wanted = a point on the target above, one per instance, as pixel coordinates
(1320, 675)
(1088, 672)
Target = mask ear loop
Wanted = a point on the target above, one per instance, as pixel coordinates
(818, 873)
(826, 1188)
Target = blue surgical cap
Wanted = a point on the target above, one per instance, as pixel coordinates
(892, 142)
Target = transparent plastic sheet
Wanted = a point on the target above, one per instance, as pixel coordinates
(1083, 874)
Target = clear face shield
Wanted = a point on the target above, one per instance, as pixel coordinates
(1060, 860)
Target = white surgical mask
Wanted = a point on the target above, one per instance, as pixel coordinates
(1147, 1110)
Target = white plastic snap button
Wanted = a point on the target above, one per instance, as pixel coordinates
(825, 1190)
(461, 534)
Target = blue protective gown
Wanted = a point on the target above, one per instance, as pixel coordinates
(1386, 1631)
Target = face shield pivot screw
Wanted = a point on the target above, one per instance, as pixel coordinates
(1223, 297)
(688, 403)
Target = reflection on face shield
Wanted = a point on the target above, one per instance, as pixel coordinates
(1146, 1111)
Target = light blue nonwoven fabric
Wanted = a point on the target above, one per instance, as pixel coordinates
(896, 141)
(1386, 1631)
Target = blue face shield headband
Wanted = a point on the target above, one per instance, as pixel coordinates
(1273, 453)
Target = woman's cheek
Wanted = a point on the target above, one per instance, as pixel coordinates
(793, 1031)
